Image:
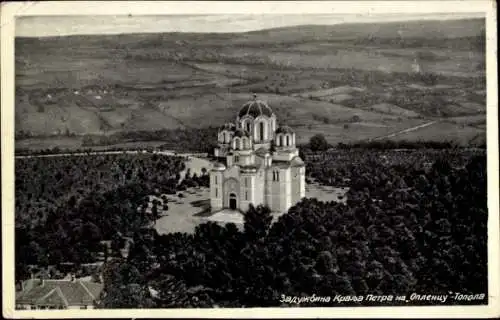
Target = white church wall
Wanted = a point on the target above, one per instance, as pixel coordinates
(229, 161)
(256, 129)
(302, 187)
(270, 129)
(246, 124)
(259, 188)
(285, 190)
(231, 186)
(274, 190)
(268, 184)
(216, 190)
(247, 191)
(285, 155)
(298, 184)
(232, 172)
(257, 146)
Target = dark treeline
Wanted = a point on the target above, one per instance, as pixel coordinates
(402, 144)
(318, 144)
(405, 228)
(379, 144)
(58, 150)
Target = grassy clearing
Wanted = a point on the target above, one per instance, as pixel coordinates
(62, 142)
(352, 132)
(445, 132)
(184, 214)
(476, 120)
(392, 109)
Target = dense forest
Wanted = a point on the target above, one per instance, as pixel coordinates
(66, 206)
(414, 222)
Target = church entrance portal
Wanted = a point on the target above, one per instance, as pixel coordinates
(232, 201)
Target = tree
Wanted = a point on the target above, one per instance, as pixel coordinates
(124, 287)
(257, 221)
(325, 262)
(128, 295)
(318, 143)
(154, 212)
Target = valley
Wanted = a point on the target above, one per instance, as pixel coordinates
(349, 85)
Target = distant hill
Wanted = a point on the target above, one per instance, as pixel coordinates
(429, 29)
(458, 34)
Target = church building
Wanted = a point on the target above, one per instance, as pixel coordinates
(260, 163)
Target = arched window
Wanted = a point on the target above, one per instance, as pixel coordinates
(287, 140)
(248, 126)
(261, 126)
(281, 141)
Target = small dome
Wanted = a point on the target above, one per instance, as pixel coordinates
(241, 133)
(219, 166)
(228, 126)
(297, 162)
(284, 129)
(255, 108)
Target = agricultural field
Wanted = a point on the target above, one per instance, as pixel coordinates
(447, 131)
(342, 81)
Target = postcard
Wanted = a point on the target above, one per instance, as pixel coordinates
(250, 159)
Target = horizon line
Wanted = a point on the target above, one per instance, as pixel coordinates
(22, 24)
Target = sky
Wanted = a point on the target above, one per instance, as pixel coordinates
(43, 26)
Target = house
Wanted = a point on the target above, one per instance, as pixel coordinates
(262, 164)
(41, 294)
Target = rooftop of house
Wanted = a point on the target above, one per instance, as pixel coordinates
(58, 292)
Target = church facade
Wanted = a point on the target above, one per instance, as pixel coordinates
(260, 163)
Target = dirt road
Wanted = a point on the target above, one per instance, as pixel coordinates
(391, 135)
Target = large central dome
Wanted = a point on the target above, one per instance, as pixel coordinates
(255, 108)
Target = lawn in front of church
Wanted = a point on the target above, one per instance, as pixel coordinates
(192, 208)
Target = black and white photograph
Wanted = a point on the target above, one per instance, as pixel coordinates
(208, 157)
